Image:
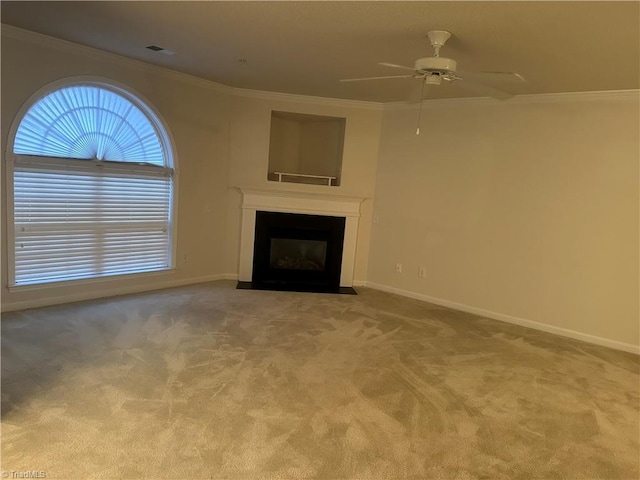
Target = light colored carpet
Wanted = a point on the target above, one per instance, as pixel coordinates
(208, 382)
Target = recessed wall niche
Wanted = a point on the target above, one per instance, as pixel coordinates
(306, 148)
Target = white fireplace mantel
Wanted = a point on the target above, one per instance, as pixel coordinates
(267, 200)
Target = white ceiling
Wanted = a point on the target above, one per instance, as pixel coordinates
(304, 47)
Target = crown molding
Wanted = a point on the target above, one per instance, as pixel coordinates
(535, 98)
(602, 95)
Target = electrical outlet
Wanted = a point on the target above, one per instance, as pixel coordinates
(422, 272)
(399, 267)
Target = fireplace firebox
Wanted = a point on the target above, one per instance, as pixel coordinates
(298, 252)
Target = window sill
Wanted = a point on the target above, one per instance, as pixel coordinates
(89, 281)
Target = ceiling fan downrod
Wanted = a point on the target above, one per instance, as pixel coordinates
(438, 38)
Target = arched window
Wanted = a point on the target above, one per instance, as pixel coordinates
(92, 187)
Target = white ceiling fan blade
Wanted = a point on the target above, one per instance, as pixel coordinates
(393, 65)
(493, 77)
(374, 78)
(482, 89)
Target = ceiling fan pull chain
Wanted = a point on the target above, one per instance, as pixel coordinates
(424, 80)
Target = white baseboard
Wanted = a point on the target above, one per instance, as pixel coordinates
(113, 292)
(565, 332)
(145, 287)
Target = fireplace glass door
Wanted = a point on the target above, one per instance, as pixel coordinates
(298, 254)
(297, 251)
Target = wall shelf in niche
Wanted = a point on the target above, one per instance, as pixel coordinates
(284, 175)
(305, 148)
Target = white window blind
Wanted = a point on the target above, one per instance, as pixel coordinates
(85, 218)
(88, 122)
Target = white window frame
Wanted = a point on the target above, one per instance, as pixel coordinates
(165, 137)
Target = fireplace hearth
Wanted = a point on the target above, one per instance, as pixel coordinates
(297, 252)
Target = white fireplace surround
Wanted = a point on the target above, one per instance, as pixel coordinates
(255, 199)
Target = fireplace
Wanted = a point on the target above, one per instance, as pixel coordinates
(305, 204)
(297, 252)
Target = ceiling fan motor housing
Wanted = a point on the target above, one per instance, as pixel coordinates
(436, 65)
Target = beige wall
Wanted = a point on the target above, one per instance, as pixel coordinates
(284, 145)
(528, 209)
(321, 148)
(198, 119)
(249, 151)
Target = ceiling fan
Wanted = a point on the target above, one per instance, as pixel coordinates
(432, 70)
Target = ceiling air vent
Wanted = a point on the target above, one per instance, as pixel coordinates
(158, 49)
